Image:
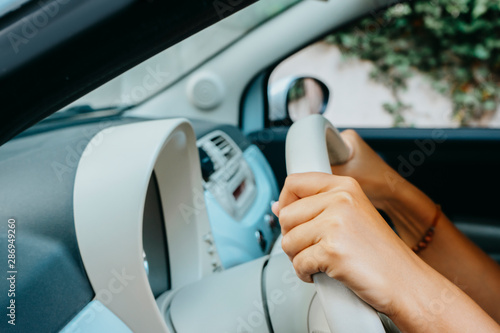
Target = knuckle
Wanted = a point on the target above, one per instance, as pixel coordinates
(303, 264)
(333, 225)
(331, 249)
(351, 184)
(283, 215)
(332, 263)
(285, 222)
(350, 133)
(297, 264)
(286, 244)
(291, 179)
(345, 198)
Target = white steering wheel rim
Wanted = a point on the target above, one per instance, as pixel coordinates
(312, 145)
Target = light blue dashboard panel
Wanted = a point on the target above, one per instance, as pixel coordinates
(253, 106)
(236, 241)
(96, 318)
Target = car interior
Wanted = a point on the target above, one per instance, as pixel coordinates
(141, 154)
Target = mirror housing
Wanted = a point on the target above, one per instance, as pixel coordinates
(293, 98)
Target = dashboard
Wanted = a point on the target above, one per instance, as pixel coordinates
(239, 190)
(100, 203)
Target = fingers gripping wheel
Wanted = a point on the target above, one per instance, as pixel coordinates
(312, 145)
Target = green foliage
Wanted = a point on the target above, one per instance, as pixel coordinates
(454, 43)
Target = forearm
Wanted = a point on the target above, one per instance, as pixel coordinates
(450, 252)
(434, 304)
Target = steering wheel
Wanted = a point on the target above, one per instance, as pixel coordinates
(312, 145)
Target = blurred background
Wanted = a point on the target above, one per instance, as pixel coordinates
(424, 63)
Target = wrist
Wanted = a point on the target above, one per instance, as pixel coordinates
(411, 211)
(388, 188)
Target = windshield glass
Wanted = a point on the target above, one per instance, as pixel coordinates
(160, 71)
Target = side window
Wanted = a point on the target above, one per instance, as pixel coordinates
(418, 64)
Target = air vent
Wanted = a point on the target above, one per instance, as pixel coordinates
(224, 146)
(223, 152)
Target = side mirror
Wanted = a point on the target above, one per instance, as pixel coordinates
(294, 98)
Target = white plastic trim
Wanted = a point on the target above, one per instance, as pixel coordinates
(229, 301)
(287, 297)
(109, 196)
(278, 97)
(312, 144)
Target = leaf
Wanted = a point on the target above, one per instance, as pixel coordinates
(490, 105)
(481, 52)
(455, 44)
(480, 8)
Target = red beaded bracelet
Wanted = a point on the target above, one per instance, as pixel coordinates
(429, 234)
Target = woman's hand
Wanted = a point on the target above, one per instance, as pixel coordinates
(377, 179)
(330, 226)
(409, 209)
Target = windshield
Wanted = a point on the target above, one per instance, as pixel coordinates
(160, 71)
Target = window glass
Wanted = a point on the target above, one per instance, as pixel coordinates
(164, 69)
(417, 64)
